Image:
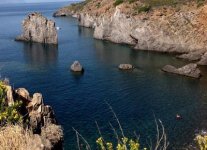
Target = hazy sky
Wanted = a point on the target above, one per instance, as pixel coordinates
(31, 1)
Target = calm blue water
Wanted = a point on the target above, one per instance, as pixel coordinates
(79, 101)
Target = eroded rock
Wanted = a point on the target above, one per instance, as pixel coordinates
(192, 56)
(203, 60)
(125, 67)
(9, 95)
(76, 67)
(23, 93)
(37, 28)
(190, 70)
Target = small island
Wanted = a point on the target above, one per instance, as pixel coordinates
(37, 28)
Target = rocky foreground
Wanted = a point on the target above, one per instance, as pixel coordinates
(38, 127)
(179, 28)
(37, 28)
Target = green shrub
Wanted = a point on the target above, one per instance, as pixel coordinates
(124, 144)
(200, 3)
(98, 4)
(144, 8)
(132, 1)
(118, 2)
(8, 114)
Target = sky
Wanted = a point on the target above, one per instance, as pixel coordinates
(31, 1)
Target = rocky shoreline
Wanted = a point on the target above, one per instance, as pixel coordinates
(163, 29)
(37, 117)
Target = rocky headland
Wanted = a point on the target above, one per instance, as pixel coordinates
(163, 27)
(32, 120)
(37, 28)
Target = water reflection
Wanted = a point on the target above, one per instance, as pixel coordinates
(116, 54)
(40, 55)
(86, 32)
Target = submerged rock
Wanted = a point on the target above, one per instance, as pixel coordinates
(125, 67)
(190, 70)
(37, 28)
(76, 67)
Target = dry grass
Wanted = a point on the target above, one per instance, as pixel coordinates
(53, 133)
(16, 138)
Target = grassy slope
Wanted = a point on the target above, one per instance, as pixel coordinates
(131, 7)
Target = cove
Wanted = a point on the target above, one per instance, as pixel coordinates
(79, 101)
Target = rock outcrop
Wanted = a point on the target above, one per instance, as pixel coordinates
(76, 67)
(37, 28)
(190, 70)
(163, 29)
(61, 13)
(203, 60)
(126, 67)
(40, 118)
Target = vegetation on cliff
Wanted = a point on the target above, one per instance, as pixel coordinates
(131, 6)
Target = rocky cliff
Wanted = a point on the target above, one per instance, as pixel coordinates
(179, 29)
(37, 28)
(36, 117)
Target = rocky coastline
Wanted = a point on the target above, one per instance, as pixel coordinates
(163, 29)
(37, 118)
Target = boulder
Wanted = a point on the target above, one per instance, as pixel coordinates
(37, 100)
(76, 67)
(190, 70)
(22, 93)
(125, 67)
(37, 28)
(35, 121)
(54, 134)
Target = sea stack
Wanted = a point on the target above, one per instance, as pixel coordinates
(76, 67)
(37, 28)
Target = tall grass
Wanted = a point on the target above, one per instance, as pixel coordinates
(123, 142)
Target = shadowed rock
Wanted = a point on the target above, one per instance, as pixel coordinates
(193, 56)
(23, 93)
(37, 28)
(190, 70)
(76, 67)
(125, 67)
(203, 60)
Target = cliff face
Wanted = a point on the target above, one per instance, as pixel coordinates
(37, 28)
(163, 29)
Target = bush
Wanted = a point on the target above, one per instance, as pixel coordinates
(144, 8)
(202, 142)
(123, 145)
(200, 3)
(132, 1)
(8, 114)
(118, 2)
(162, 2)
